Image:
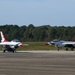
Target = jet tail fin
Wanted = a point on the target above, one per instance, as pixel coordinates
(2, 37)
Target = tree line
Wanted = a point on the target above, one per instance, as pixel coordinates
(38, 33)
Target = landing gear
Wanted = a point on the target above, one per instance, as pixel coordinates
(4, 51)
(13, 50)
(69, 46)
(72, 48)
(9, 50)
(66, 48)
(58, 48)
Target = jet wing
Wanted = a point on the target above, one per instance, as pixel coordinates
(8, 43)
(69, 43)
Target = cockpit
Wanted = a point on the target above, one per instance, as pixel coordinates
(15, 40)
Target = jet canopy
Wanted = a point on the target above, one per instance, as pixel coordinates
(15, 40)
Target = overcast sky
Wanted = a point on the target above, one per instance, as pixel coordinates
(38, 12)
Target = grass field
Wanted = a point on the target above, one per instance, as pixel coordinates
(37, 46)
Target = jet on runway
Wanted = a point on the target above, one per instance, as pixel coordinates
(61, 43)
(9, 45)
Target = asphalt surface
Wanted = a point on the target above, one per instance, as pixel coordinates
(38, 63)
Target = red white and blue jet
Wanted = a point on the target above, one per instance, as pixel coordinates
(9, 45)
(61, 43)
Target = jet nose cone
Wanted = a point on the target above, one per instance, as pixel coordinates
(21, 45)
(52, 43)
(46, 43)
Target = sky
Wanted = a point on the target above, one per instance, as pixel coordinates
(37, 12)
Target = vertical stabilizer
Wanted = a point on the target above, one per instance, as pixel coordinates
(2, 37)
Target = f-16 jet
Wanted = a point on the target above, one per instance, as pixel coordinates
(60, 43)
(10, 46)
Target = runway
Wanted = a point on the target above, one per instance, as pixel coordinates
(38, 63)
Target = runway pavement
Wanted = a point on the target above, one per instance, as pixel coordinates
(38, 63)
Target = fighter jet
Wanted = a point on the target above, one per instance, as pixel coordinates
(9, 46)
(60, 43)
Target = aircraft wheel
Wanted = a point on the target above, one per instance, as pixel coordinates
(66, 49)
(58, 48)
(14, 50)
(4, 51)
(72, 49)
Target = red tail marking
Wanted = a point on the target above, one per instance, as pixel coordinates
(3, 38)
